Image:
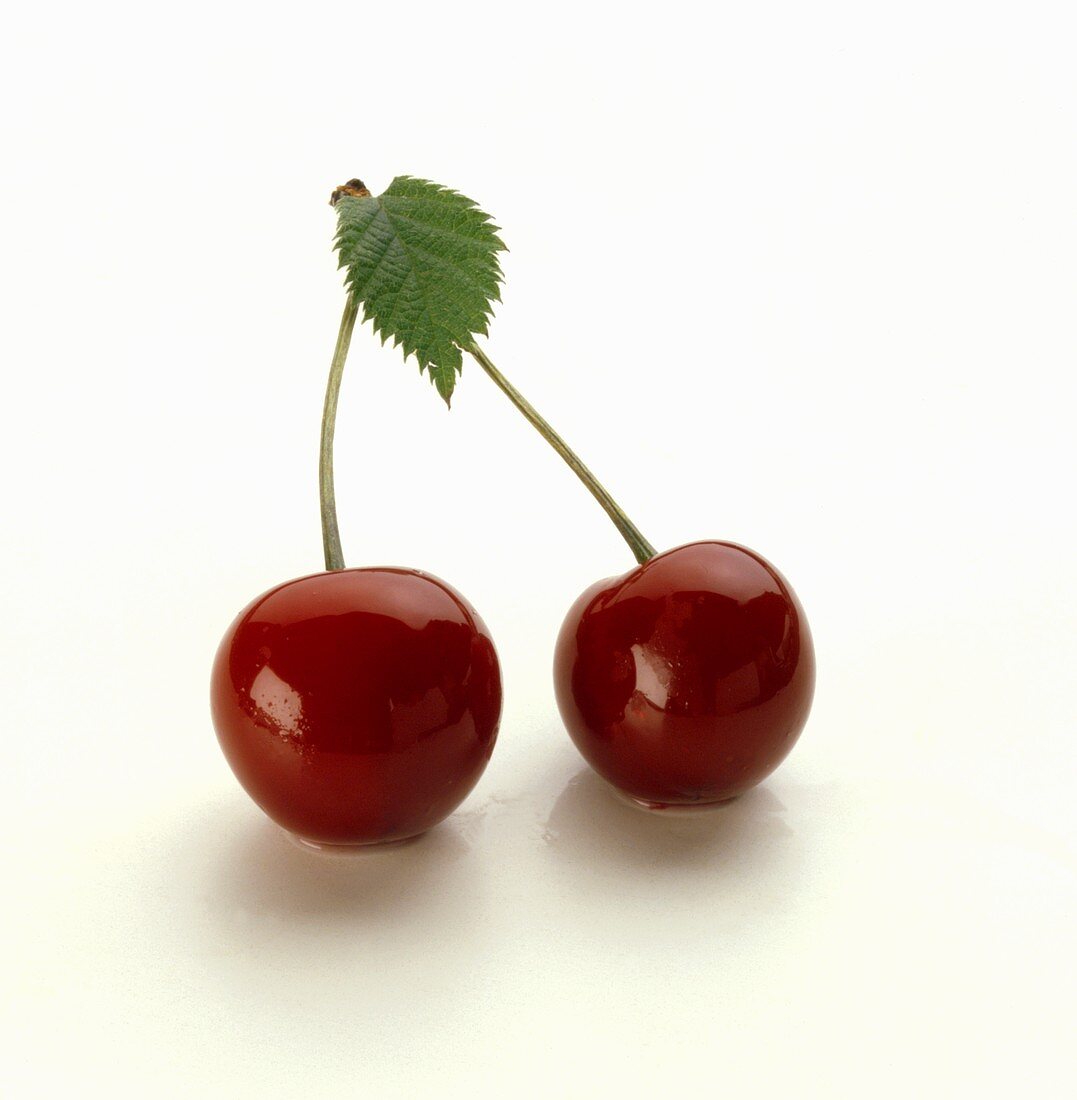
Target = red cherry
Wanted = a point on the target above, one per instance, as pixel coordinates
(687, 680)
(359, 705)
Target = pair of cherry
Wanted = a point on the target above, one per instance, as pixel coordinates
(361, 705)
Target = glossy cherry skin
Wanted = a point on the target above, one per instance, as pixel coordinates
(357, 706)
(687, 680)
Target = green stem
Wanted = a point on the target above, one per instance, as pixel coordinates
(334, 556)
(629, 532)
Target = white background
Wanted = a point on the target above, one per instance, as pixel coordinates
(797, 275)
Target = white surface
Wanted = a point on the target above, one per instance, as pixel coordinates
(822, 305)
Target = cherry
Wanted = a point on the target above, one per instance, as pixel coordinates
(357, 705)
(688, 679)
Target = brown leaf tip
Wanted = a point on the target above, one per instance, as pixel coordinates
(356, 188)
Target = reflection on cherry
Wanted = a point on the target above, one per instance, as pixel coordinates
(687, 680)
(359, 705)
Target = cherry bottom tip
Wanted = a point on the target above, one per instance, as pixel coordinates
(670, 809)
(348, 850)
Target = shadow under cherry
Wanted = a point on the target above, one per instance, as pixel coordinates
(259, 873)
(594, 828)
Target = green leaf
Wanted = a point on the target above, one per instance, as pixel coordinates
(422, 262)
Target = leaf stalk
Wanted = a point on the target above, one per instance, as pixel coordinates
(334, 556)
(639, 546)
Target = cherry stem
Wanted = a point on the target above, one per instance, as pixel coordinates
(639, 546)
(334, 556)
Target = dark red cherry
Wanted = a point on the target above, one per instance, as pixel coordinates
(359, 705)
(688, 679)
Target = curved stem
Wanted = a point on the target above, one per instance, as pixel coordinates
(334, 556)
(629, 532)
